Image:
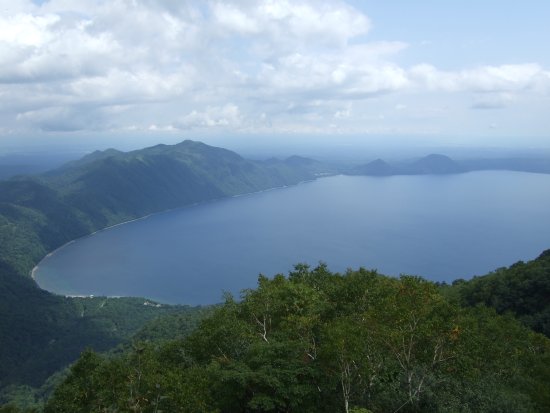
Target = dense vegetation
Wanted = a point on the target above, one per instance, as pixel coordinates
(42, 332)
(523, 290)
(321, 342)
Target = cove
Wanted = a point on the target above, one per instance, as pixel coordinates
(441, 227)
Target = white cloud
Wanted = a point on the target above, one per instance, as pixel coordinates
(233, 19)
(222, 116)
(356, 72)
(66, 119)
(27, 30)
(504, 78)
(284, 65)
(288, 24)
(128, 87)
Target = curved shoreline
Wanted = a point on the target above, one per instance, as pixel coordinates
(36, 267)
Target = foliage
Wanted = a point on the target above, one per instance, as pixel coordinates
(522, 289)
(41, 332)
(316, 341)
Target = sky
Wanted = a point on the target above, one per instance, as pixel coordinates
(457, 72)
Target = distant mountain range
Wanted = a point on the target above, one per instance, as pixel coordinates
(436, 164)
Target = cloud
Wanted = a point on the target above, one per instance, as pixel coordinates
(223, 116)
(285, 65)
(43, 48)
(118, 87)
(355, 73)
(288, 24)
(504, 78)
(65, 119)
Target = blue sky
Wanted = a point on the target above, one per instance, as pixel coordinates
(468, 72)
(464, 33)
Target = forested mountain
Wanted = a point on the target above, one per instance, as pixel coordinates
(111, 185)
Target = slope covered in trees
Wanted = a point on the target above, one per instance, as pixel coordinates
(522, 289)
(43, 332)
(323, 342)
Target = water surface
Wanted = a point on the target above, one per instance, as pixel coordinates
(440, 227)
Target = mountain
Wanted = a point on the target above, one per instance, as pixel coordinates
(433, 164)
(436, 164)
(91, 157)
(115, 186)
(377, 167)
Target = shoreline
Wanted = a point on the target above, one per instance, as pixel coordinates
(194, 204)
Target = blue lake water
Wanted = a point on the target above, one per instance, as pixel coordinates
(440, 227)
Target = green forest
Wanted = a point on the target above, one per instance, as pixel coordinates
(319, 341)
(311, 340)
(315, 340)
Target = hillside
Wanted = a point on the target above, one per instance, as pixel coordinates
(317, 341)
(314, 338)
(42, 332)
(523, 290)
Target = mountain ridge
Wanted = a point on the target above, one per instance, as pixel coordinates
(109, 187)
(439, 164)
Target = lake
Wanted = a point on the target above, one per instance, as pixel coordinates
(442, 227)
